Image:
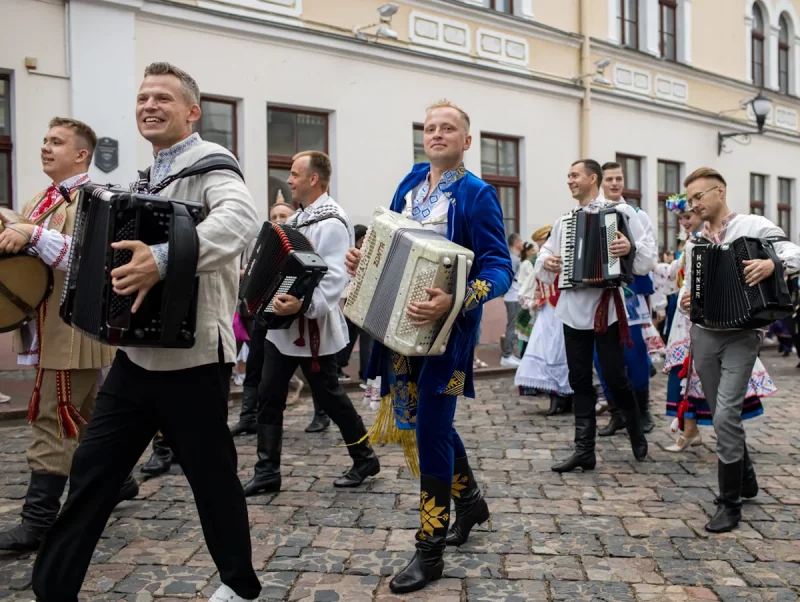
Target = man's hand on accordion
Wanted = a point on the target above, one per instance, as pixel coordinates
(139, 275)
(686, 301)
(757, 270)
(286, 305)
(620, 247)
(351, 260)
(553, 264)
(427, 312)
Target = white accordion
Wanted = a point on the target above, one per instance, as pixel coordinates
(400, 259)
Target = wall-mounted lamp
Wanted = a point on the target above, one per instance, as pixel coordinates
(761, 106)
(385, 14)
(598, 75)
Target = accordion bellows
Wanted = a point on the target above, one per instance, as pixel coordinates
(400, 259)
(720, 296)
(283, 263)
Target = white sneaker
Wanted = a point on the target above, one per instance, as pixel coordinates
(226, 594)
(509, 362)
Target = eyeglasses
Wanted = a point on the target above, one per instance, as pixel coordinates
(691, 201)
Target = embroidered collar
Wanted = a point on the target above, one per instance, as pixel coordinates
(718, 237)
(165, 159)
(75, 181)
(596, 205)
(52, 195)
(425, 199)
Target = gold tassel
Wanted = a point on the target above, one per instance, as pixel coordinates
(410, 451)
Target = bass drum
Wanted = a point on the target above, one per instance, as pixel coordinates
(25, 282)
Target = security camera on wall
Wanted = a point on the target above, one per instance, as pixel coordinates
(387, 11)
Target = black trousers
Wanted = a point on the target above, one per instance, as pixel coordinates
(189, 407)
(580, 346)
(325, 388)
(364, 349)
(255, 357)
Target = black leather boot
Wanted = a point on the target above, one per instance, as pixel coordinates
(129, 489)
(247, 424)
(584, 456)
(427, 564)
(616, 423)
(321, 420)
(558, 405)
(471, 508)
(729, 502)
(645, 417)
(633, 425)
(161, 459)
(553, 409)
(42, 503)
(749, 480)
(267, 475)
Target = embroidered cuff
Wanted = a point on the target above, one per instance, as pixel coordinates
(161, 255)
(477, 291)
(37, 234)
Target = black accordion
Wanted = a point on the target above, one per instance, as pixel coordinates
(167, 316)
(586, 259)
(720, 296)
(283, 263)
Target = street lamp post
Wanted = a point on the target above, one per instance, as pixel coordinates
(761, 107)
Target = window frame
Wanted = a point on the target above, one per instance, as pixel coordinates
(631, 194)
(417, 127)
(668, 244)
(785, 208)
(284, 161)
(758, 36)
(225, 101)
(511, 7)
(784, 57)
(514, 182)
(759, 204)
(623, 29)
(7, 144)
(663, 6)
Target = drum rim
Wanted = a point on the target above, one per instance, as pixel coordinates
(48, 291)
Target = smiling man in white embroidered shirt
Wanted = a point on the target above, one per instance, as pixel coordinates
(585, 325)
(314, 338)
(724, 358)
(182, 392)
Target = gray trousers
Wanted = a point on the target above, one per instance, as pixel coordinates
(724, 360)
(510, 341)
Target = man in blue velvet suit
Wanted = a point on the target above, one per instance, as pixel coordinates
(444, 196)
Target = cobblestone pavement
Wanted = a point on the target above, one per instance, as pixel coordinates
(627, 531)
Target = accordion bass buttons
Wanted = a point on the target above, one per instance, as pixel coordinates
(419, 349)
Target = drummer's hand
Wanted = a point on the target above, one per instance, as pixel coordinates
(427, 312)
(287, 305)
(351, 260)
(139, 275)
(13, 238)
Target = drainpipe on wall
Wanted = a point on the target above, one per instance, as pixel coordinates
(586, 67)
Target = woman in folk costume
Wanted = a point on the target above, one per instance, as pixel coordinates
(420, 393)
(685, 398)
(69, 364)
(543, 368)
(523, 322)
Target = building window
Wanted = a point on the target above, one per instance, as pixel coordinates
(668, 29)
(785, 190)
(6, 146)
(218, 122)
(500, 168)
(291, 131)
(758, 185)
(419, 145)
(669, 183)
(628, 20)
(501, 6)
(784, 54)
(632, 171)
(757, 41)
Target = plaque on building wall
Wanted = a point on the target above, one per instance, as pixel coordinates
(106, 155)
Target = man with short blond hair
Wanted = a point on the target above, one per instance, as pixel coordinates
(724, 358)
(68, 362)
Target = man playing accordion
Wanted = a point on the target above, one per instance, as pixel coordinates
(444, 196)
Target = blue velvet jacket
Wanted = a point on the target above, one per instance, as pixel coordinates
(474, 221)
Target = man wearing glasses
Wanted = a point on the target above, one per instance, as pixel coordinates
(724, 358)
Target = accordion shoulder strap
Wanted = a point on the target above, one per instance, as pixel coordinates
(213, 162)
(777, 239)
(179, 284)
(322, 218)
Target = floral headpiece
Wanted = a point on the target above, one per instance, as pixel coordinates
(677, 203)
